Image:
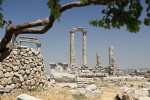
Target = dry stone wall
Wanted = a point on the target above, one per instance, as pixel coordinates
(23, 69)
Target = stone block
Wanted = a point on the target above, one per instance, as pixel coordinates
(1, 74)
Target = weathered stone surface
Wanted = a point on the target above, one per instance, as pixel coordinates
(1, 74)
(10, 80)
(1, 87)
(26, 97)
(15, 68)
(144, 98)
(125, 93)
(64, 77)
(20, 71)
(8, 88)
(91, 87)
(8, 74)
(4, 81)
(16, 90)
(92, 90)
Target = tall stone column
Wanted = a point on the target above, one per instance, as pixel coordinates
(98, 59)
(84, 49)
(72, 49)
(110, 55)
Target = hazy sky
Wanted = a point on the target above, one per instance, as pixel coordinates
(131, 50)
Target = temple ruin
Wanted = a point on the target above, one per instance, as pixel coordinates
(72, 47)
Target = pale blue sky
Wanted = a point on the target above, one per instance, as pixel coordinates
(131, 50)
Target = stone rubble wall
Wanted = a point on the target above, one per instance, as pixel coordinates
(23, 69)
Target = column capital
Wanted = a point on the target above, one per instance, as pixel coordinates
(72, 31)
(84, 31)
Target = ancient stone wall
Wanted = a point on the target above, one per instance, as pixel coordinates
(23, 69)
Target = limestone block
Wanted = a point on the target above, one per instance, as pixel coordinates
(14, 52)
(22, 72)
(7, 74)
(8, 69)
(10, 80)
(1, 87)
(91, 87)
(26, 61)
(92, 90)
(32, 72)
(15, 80)
(4, 81)
(16, 90)
(24, 87)
(12, 86)
(25, 77)
(1, 74)
(27, 71)
(144, 98)
(18, 85)
(32, 82)
(30, 76)
(8, 88)
(4, 70)
(16, 74)
(15, 68)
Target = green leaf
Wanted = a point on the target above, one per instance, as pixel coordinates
(101, 23)
(84, 1)
(1, 2)
(94, 23)
(1, 16)
(50, 4)
(147, 21)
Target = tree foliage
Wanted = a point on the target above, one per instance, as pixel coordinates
(123, 13)
(118, 13)
(1, 15)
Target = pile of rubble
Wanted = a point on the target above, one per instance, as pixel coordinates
(125, 93)
(23, 69)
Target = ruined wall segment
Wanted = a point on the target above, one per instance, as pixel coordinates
(23, 69)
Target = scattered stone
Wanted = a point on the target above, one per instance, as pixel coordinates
(125, 93)
(92, 90)
(26, 97)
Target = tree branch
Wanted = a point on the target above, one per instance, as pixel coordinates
(81, 4)
(13, 31)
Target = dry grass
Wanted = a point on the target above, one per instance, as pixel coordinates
(51, 94)
(109, 92)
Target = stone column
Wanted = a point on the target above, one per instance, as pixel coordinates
(72, 49)
(110, 55)
(84, 49)
(98, 59)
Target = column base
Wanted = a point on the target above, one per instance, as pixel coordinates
(84, 66)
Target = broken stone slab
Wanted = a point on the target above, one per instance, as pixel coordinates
(91, 87)
(92, 90)
(26, 97)
(144, 98)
